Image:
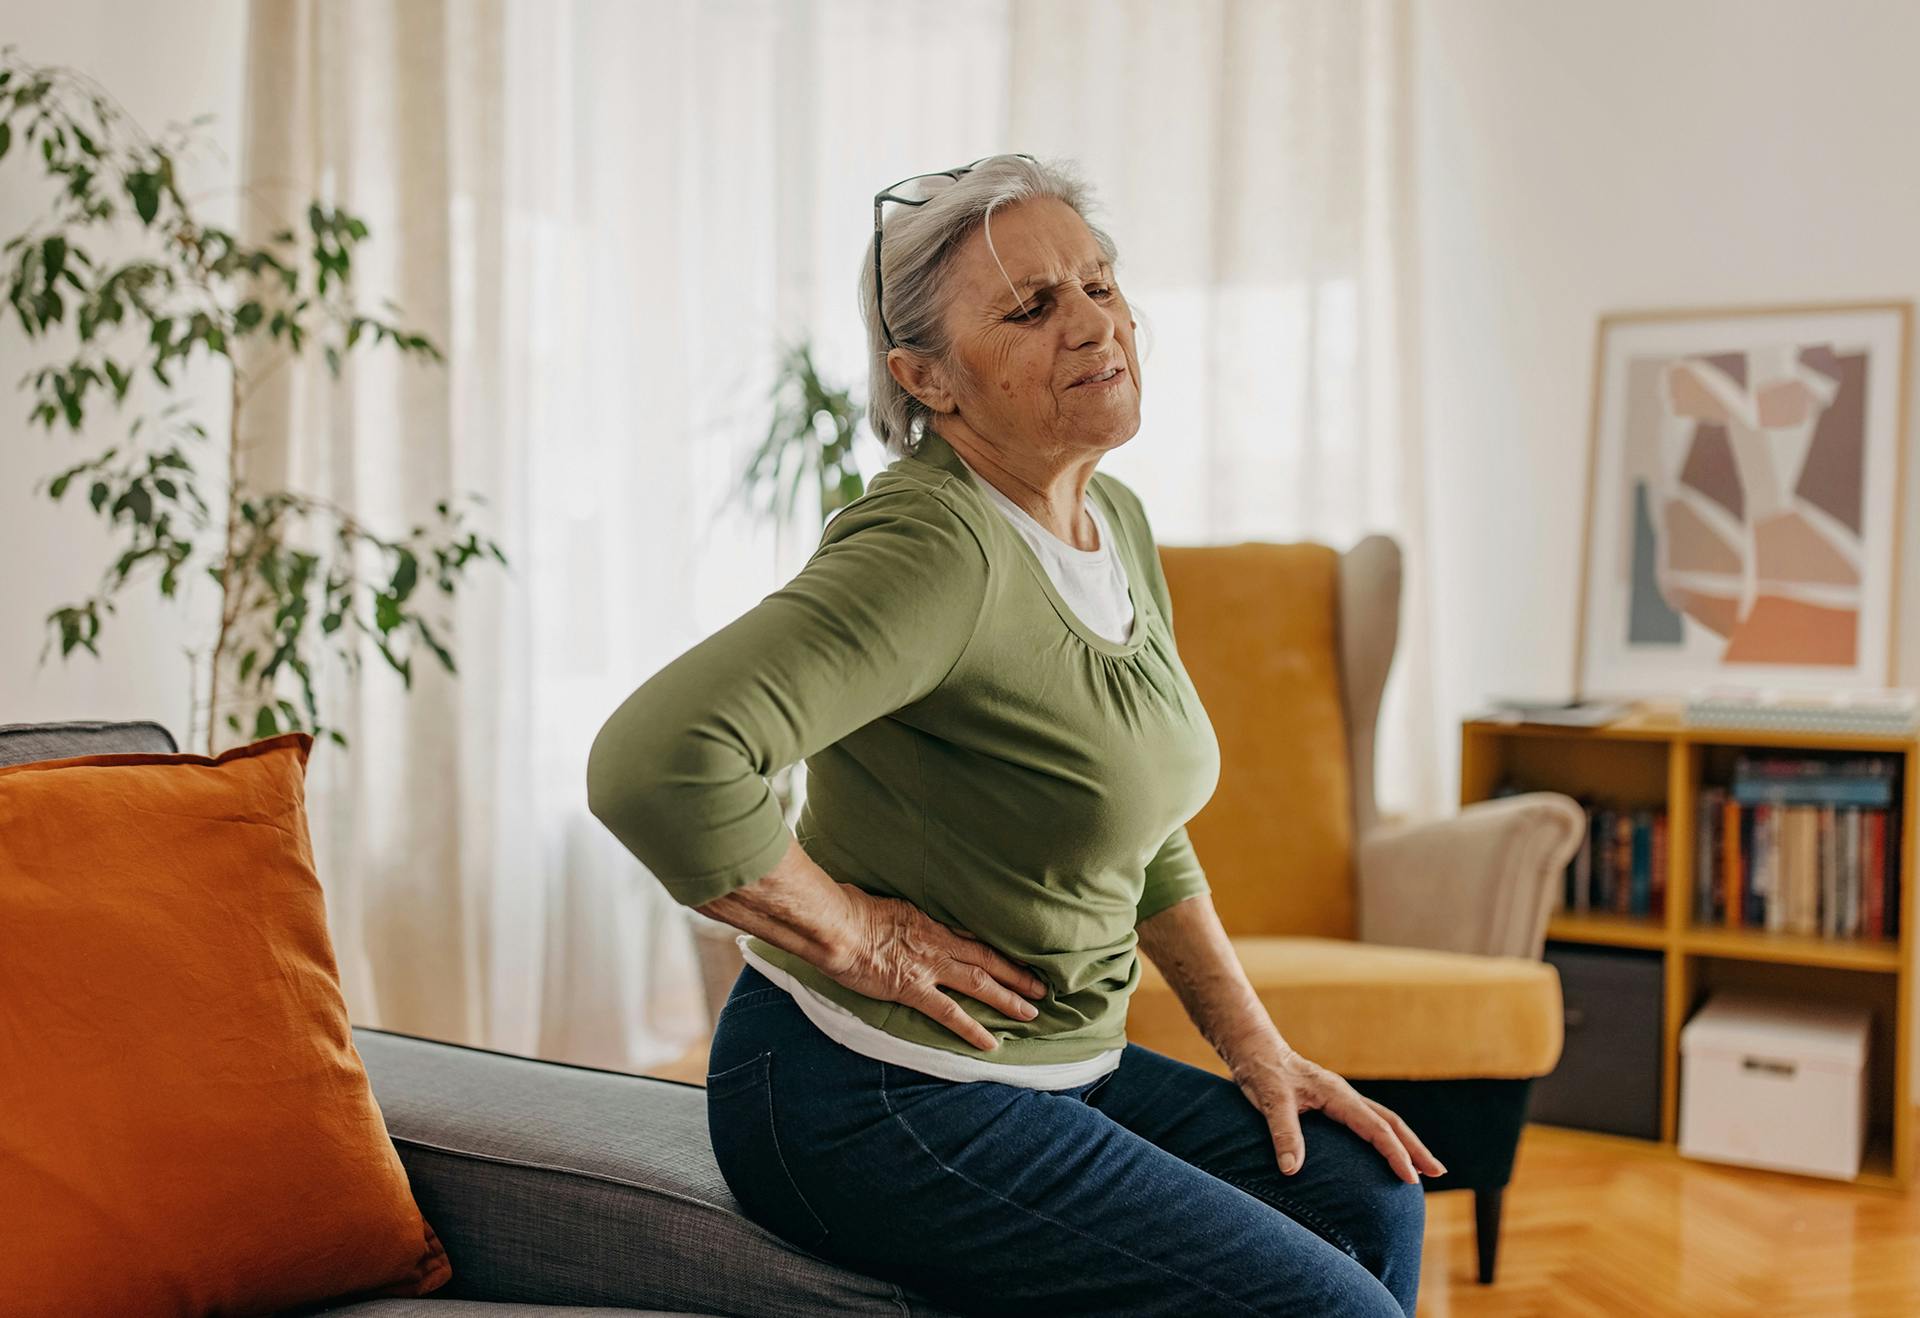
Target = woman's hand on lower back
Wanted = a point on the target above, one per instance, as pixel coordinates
(899, 953)
(1283, 1084)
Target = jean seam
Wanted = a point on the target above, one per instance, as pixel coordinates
(1293, 1208)
(750, 995)
(780, 1153)
(907, 1126)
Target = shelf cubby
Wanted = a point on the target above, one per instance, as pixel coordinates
(1657, 760)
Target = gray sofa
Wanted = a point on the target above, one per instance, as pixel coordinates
(555, 1185)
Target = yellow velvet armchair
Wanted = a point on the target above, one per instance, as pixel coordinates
(1404, 956)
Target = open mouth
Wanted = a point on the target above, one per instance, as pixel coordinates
(1107, 377)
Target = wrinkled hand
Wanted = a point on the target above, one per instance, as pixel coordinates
(1283, 1084)
(899, 953)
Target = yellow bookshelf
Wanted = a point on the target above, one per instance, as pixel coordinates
(1655, 759)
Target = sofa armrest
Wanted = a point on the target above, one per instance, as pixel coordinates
(567, 1185)
(1482, 881)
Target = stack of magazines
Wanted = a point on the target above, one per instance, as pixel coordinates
(1801, 845)
(1888, 713)
(1561, 713)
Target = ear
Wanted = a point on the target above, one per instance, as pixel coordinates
(921, 377)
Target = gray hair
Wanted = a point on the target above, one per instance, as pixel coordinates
(916, 256)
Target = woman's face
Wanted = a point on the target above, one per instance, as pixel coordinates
(1021, 357)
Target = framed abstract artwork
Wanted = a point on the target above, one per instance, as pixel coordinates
(1743, 500)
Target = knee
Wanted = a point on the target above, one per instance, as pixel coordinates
(1393, 1214)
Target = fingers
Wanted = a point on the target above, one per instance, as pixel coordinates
(975, 982)
(1376, 1130)
(977, 952)
(1422, 1157)
(945, 1010)
(1289, 1146)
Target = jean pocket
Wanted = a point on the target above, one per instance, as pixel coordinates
(747, 1149)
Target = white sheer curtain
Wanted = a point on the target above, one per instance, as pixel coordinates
(1255, 158)
(613, 216)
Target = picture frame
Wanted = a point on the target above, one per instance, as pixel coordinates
(1743, 514)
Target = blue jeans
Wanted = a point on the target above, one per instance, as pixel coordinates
(1152, 1190)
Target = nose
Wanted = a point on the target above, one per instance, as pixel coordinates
(1084, 322)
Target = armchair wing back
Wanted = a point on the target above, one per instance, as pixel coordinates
(1259, 629)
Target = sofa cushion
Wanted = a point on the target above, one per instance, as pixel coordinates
(1379, 1012)
(570, 1185)
(23, 743)
(185, 1126)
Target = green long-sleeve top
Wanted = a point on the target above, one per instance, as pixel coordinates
(971, 747)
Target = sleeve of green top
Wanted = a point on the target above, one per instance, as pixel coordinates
(876, 620)
(1175, 873)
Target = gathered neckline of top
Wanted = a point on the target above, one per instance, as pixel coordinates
(935, 452)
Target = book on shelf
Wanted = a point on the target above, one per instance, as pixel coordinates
(1623, 861)
(1800, 845)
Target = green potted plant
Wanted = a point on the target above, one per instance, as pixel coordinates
(809, 441)
(300, 578)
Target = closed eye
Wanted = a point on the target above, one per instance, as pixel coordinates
(1032, 313)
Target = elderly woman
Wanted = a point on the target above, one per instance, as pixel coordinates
(922, 1072)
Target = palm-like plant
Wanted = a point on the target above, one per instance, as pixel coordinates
(809, 440)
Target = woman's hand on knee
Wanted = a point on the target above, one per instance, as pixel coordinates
(1283, 1084)
(902, 954)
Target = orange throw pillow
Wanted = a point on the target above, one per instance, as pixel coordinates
(185, 1125)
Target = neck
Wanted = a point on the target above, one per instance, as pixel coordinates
(1051, 487)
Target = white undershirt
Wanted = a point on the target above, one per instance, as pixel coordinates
(1093, 584)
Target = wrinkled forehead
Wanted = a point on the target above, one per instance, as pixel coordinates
(1037, 243)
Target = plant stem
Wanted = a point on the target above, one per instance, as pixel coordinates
(229, 586)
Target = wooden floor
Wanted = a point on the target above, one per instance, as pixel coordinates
(1602, 1226)
(1597, 1225)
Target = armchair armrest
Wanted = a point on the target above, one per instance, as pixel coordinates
(1481, 881)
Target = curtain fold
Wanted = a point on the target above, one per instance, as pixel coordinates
(613, 217)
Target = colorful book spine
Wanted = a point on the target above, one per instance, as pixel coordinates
(1874, 868)
(1623, 862)
(1641, 884)
(1730, 897)
(1658, 905)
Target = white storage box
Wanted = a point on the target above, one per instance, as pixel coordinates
(1775, 1082)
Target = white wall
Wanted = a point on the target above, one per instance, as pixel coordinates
(163, 61)
(1582, 158)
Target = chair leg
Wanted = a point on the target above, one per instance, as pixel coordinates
(1473, 1126)
(1486, 1228)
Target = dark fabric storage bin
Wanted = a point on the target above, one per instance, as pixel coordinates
(1608, 1078)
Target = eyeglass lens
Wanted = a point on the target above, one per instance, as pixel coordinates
(920, 189)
